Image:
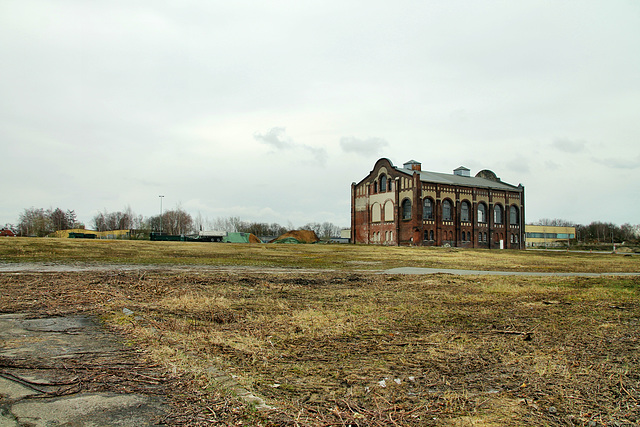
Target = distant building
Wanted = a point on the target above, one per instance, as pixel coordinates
(548, 235)
(5, 232)
(408, 206)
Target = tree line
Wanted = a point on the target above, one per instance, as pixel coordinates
(39, 222)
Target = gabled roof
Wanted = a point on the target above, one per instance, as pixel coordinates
(469, 181)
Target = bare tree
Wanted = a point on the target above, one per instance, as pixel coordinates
(198, 222)
(230, 224)
(177, 221)
(329, 230)
(34, 222)
(313, 226)
(555, 222)
(58, 219)
(109, 221)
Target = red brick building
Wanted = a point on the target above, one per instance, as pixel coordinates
(408, 206)
(5, 232)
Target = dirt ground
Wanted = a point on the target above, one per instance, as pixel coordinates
(355, 349)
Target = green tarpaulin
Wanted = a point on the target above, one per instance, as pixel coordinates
(237, 238)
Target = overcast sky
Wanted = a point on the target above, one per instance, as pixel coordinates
(270, 110)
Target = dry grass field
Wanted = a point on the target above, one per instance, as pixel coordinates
(338, 257)
(326, 341)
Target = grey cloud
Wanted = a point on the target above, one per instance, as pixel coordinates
(569, 146)
(369, 146)
(319, 154)
(551, 165)
(275, 137)
(619, 163)
(518, 164)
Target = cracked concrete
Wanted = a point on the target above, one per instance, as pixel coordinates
(37, 389)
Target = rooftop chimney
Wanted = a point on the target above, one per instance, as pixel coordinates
(413, 165)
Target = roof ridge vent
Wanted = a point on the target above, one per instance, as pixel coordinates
(462, 171)
(413, 165)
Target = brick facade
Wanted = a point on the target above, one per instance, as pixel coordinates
(391, 205)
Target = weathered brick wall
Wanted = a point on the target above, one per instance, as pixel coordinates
(417, 230)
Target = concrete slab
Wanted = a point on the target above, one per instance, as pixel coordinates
(12, 390)
(101, 409)
(7, 420)
(51, 337)
(36, 388)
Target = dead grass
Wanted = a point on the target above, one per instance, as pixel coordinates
(317, 256)
(344, 348)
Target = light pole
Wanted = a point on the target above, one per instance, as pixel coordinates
(161, 197)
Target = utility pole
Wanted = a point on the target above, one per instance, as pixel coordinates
(161, 197)
(612, 243)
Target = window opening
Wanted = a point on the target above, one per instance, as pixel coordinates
(497, 214)
(427, 212)
(514, 218)
(464, 212)
(446, 211)
(406, 209)
(383, 183)
(482, 213)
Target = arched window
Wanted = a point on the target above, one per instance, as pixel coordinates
(431, 235)
(484, 236)
(406, 209)
(427, 211)
(514, 218)
(464, 212)
(482, 213)
(383, 183)
(446, 211)
(497, 214)
(426, 235)
(480, 236)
